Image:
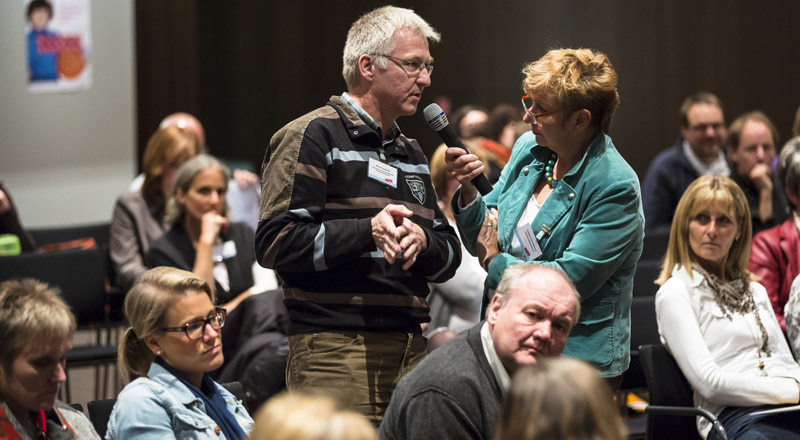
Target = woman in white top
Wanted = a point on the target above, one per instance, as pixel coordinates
(718, 323)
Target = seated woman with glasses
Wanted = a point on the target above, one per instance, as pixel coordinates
(567, 199)
(174, 341)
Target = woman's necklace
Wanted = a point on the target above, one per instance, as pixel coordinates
(548, 170)
(735, 296)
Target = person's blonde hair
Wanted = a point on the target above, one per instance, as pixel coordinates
(373, 34)
(31, 312)
(707, 191)
(294, 416)
(575, 79)
(183, 181)
(145, 309)
(167, 148)
(559, 398)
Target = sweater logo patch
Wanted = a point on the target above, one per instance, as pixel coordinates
(417, 187)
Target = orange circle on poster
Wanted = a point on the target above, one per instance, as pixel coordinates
(70, 63)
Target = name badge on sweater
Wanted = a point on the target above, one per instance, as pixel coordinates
(383, 173)
(528, 242)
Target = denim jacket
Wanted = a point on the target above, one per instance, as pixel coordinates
(592, 228)
(159, 406)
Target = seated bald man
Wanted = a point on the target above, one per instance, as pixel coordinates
(456, 391)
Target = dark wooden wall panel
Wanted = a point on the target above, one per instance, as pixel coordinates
(251, 66)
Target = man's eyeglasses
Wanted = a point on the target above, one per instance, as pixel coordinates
(702, 128)
(413, 68)
(197, 328)
(527, 105)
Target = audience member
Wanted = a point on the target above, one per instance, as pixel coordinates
(751, 148)
(567, 199)
(10, 222)
(697, 152)
(718, 323)
(456, 391)
(292, 416)
(775, 257)
(202, 240)
(467, 119)
(456, 303)
(243, 196)
(174, 341)
(349, 221)
(138, 217)
(36, 328)
(559, 398)
(501, 127)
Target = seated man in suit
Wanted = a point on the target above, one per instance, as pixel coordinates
(456, 391)
(697, 152)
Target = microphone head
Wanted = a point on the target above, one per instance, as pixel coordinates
(435, 117)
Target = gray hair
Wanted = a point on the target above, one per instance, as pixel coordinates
(516, 272)
(789, 167)
(183, 181)
(31, 312)
(372, 34)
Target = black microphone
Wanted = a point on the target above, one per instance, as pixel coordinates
(436, 118)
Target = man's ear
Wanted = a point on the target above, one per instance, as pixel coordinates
(494, 310)
(366, 67)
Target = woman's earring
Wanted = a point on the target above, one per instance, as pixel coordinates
(158, 353)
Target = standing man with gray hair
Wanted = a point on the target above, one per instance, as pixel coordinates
(349, 220)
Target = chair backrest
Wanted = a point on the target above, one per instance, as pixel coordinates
(77, 272)
(644, 279)
(644, 330)
(667, 387)
(101, 232)
(654, 245)
(99, 413)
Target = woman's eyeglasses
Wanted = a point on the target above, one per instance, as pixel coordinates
(197, 328)
(527, 105)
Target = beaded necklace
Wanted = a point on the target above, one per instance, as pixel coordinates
(548, 170)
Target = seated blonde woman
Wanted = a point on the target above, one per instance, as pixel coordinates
(718, 323)
(559, 398)
(295, 416)
(174, 341)
(36, 328)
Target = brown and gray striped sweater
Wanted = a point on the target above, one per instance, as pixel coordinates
(315, 230)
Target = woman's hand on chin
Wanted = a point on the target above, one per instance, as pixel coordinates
(212, 224)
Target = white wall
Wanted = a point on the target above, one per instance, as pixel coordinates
(66, 157)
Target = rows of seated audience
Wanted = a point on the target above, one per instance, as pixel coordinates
(511, 351)
(179, 218)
